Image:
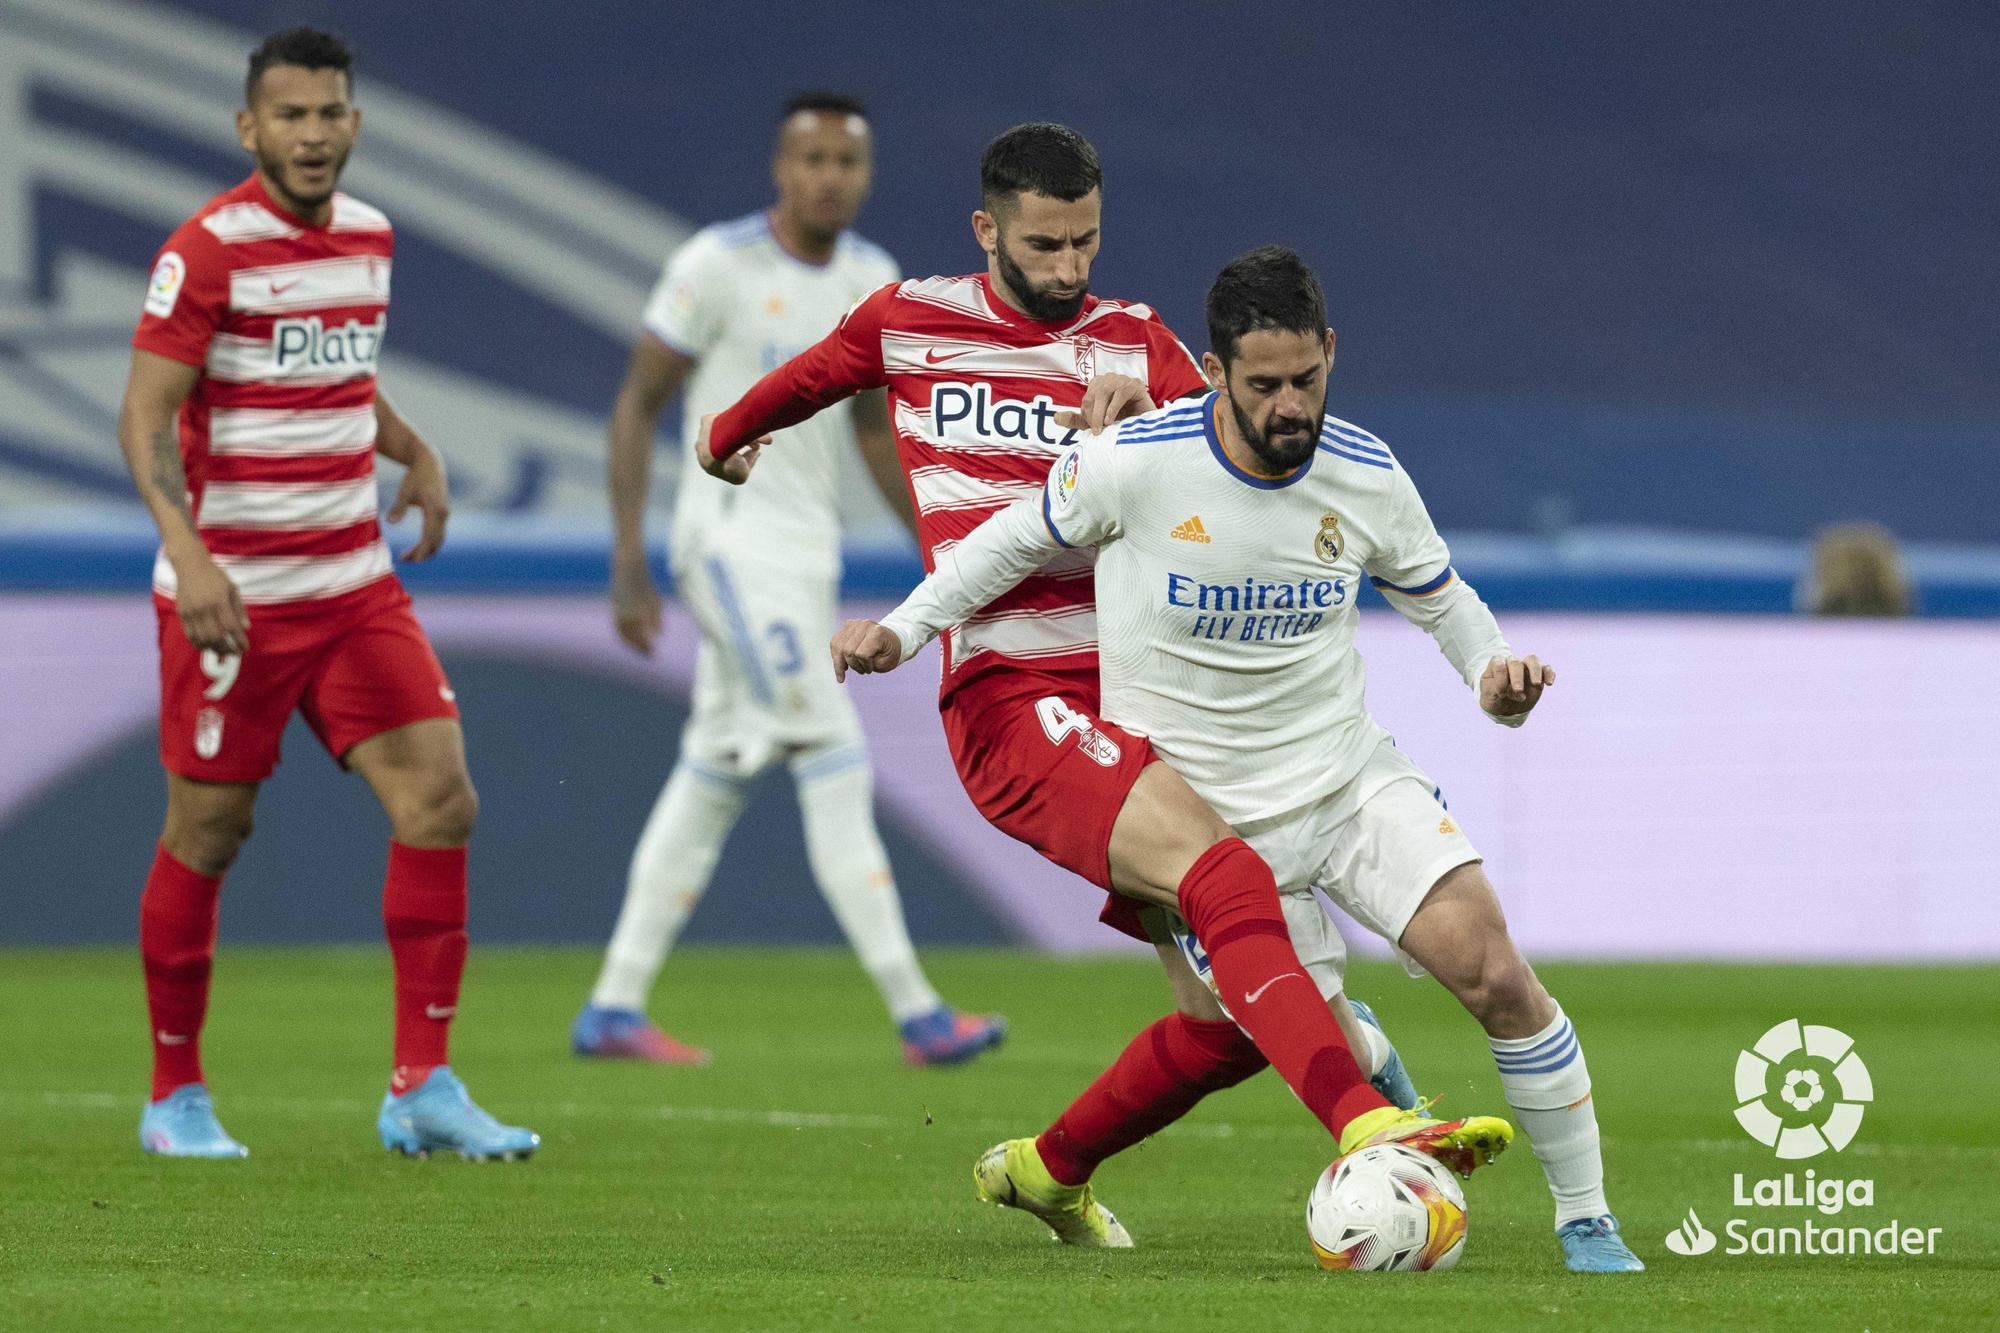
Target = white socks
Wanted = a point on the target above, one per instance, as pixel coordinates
(671, 867)
(837, 801)
(1548, 1085)
(676, 855)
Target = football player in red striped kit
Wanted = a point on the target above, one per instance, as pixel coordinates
(986, 372)
(251, 422)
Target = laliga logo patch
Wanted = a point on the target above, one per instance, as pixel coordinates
(1066, 474)
(1327, 544)
(1802, 1090)
(169, 276)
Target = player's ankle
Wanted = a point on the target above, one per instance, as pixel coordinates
(404, 1078)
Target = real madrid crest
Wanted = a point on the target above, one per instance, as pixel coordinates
(1326, 545)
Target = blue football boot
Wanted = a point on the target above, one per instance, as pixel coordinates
(1394, 1080)
(627, 1034)
(440, 1116)
(1592, 1245)
(946, 1037)
(183, 1124)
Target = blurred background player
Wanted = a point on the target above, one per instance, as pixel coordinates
(760, 571)
(987, 374)
(250, 422)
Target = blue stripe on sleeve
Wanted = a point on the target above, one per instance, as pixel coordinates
(1421, 590)
(1050, 523)
(1341, 452)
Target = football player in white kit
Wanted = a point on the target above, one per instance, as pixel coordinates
(759, 569)
(1233, 535)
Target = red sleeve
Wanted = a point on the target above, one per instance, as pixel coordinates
(838, 366)
(1170, 366)
(187, 297)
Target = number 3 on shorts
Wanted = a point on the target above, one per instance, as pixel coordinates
(1060, 722)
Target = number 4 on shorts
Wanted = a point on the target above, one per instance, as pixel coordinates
(1060, 722)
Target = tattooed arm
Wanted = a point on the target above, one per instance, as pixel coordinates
(211, 610)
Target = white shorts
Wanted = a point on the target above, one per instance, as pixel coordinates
(762, 684)
(1375, 847)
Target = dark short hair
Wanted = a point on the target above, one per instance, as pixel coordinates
(308, 48)
(833, 104)
(1041, 158)
(1268, 288)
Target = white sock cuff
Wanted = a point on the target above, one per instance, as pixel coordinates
(1545, 1071)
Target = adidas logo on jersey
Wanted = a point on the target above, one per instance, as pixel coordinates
(1191, 531)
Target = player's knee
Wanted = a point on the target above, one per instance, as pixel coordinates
(1502, 989)
(438, 813)
(206, 842)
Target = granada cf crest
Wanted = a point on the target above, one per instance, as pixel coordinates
(1327, 544)
(1086, 358)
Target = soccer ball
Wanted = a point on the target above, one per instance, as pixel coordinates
(1386, 1208)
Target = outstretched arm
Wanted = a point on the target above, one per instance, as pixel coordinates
(838, 366)
(1002, 551)
(1452, 613)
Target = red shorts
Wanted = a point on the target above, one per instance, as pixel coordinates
(1044, 768)
(355, 666)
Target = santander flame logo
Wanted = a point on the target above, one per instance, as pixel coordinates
(1691, 1237)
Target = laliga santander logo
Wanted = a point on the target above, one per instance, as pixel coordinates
(1802, 1090)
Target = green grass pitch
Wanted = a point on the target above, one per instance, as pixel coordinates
(809, 1180)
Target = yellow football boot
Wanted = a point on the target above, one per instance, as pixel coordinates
(1011, 1174)
(1463, 1145)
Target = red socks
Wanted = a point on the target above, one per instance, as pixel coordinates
(177, 914)
(1155, 1081)
(1230, 901)
(423, 912)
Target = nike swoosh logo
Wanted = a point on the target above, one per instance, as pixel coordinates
(170, 1038)
(934, 359)
(276, 290)
(1253, 996)
(440, 1010)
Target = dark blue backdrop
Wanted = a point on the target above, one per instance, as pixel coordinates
(1714, 267)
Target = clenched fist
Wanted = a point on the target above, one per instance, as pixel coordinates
(864, 646)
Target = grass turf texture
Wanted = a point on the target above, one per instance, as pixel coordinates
(808, 1179)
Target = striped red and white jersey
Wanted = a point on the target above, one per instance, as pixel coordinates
(278, 437)
(974, 387)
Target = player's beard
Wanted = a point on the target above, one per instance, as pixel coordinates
(1278, 459)
(273, 169)
(1039, 305)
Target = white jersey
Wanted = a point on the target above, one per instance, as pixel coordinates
(739, 305)
(1226, 601)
